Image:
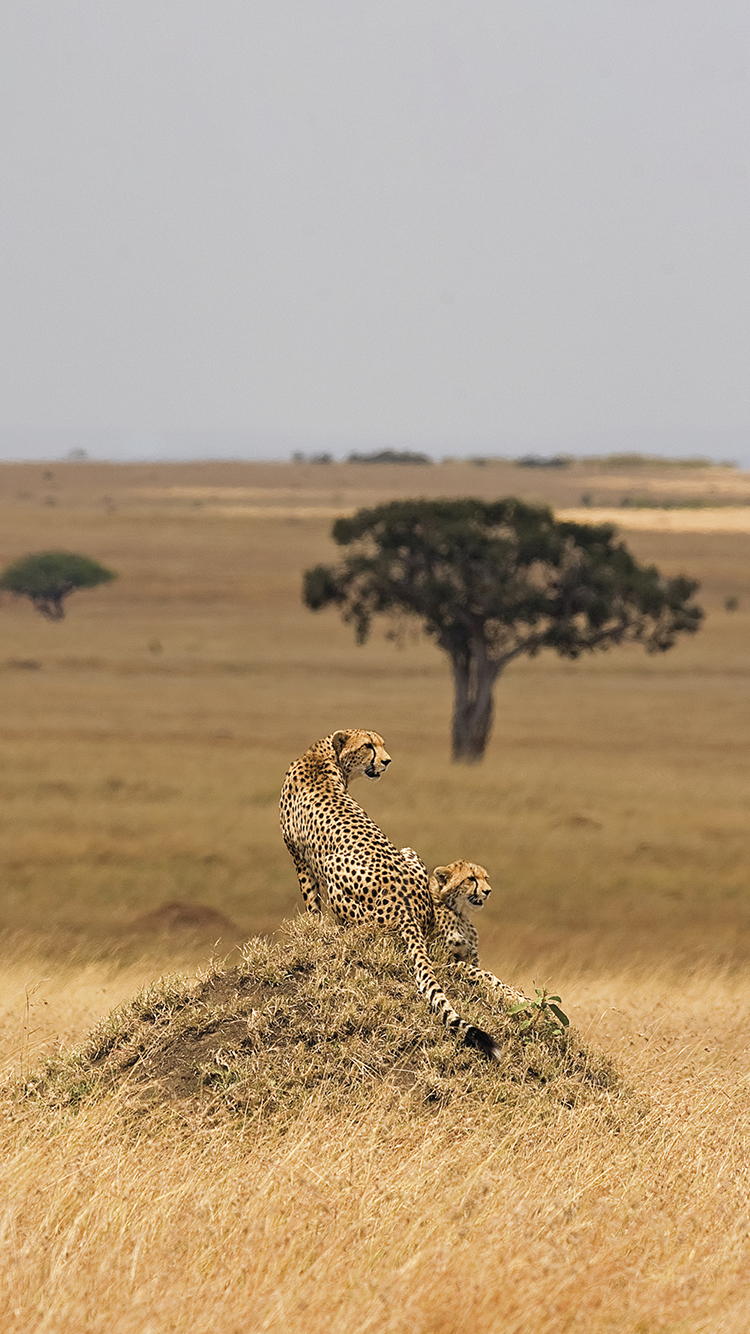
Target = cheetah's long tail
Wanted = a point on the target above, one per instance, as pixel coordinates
(416, 948)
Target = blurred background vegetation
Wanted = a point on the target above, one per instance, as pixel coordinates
(144, 739)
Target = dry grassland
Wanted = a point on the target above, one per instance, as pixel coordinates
(142, 745)
(728, 519)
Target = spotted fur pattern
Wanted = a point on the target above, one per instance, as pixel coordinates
(455, 890)
(340, 853)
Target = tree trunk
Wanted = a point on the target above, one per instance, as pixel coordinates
(474, 676)
(51, 607)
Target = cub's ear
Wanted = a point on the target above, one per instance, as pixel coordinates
(339, 740)
(442, 874)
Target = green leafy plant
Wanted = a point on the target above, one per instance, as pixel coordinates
(544, 1006)
(492, 581)
(46, 578)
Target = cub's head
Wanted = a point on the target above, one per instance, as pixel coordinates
(360, 752)
(460, 880)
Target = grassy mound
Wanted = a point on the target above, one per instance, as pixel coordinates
(320, 1014)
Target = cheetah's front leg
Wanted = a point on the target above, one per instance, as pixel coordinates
(510, 994)
(309, 887)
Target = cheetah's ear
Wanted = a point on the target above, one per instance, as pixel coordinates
(339, 740)
(442, 874)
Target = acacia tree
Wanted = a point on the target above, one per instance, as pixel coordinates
(492, 581)
(48, 577)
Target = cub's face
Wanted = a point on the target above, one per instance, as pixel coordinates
(460, 879)
(360, 752)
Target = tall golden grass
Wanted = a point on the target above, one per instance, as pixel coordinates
(140, 761)
(631, 1216)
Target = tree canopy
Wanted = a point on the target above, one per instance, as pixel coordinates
(48, 577)
(492, 581)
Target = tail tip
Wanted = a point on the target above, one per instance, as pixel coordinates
(484, 1042)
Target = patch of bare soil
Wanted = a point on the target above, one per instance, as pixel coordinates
(177, 1061)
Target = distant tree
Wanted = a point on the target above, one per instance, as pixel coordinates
(48, 577)
(491, 582)
(539, 461)
(390, 456)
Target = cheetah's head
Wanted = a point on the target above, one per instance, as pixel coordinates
(460, 880)
(360, 752)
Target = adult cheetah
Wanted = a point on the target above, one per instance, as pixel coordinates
(338, 850)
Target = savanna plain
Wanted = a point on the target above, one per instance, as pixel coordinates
(322, 1184)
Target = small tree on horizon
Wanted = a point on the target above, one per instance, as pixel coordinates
(48, 577)
(494, 581)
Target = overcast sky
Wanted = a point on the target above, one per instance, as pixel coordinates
(458, 224)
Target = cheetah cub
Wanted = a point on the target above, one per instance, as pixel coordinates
(456, 890)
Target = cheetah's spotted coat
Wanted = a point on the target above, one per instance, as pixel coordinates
(340, 852)
(455, 889)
